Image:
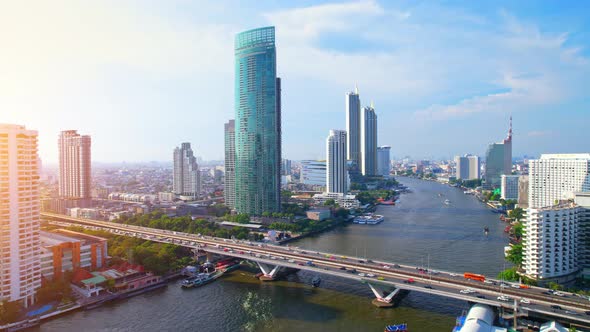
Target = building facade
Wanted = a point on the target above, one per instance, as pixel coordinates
(346, 201)
(19, 214)
(369, 141)
(384, 160)
(313, 172)
(353, 126)
(258, 123)
(186, 178)
(509, 187)
(336, 167)
(555, 229)
(229, 186)
(286, 167)
(523, 191)
(74, 165)
(498, 161)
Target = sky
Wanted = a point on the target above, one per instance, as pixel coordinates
(143, 76)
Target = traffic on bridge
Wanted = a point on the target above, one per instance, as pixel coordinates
(385, 279)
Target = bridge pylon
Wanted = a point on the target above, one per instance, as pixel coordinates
(269, 272)
(383, 297)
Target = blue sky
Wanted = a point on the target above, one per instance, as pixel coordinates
(143, 76)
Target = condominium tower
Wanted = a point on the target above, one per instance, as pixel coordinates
(336, 167)
(229, 189)
(186, 178)
(369, 141)
(467, 167)
(498, 160)
(20, 243)
(353, 126)
(552, 245)
(313, 172)
(383, 160)
(258, 123)
(74, 165)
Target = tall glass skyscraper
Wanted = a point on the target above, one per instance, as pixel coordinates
(229, 192)
(498, 161)
(353, 126)
(258, 123)
(369, 141)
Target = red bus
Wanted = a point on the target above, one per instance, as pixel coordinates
(474, 276)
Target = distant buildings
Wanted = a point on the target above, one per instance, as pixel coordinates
(383, 160)
(286, 167)
(74, 165)
(258, 123)
(467, 167)
(509, 187)
(343, 200)
(19, 212)
(336, 167)
(557, 218)
(498, 161)
(313, 172)
(229, 189)
(368, 141)
(186, 177)
(353, 126)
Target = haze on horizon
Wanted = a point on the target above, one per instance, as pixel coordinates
(141, 77)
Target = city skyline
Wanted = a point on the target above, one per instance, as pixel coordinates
(544, 96)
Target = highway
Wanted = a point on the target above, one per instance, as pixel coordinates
(563, 306)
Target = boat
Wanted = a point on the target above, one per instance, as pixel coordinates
(447, 202)
(369, 219)
(486, 230)
(315, 282)
(396, 328)
(200, 279)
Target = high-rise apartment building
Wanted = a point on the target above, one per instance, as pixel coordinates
(229, 186)
(313, 172)
(20, 243)
(353, 126)
(467, 167)
(336, 167)
(523, 191)
(383, 160)
(509, 187)
(74, 165)
(258, 122)
(368, 141)
(552, 245)
(498, 160)
(286, 167)
(186, 178)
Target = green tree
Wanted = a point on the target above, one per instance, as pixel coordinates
(330, 202)
(509, 275)
(514, 255)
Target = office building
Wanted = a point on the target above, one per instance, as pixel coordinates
(19, 215)
(369, 141)
(313, 172)
(229, 186)
(467, 167)
(383, 160)
(258, 123)
(286, 167)
(509, 187)
(186, 178)
(63, 250)
(553, 248)
(523, 191)
(74, 165)
(498, 161)
(353, 126)
(336, 168)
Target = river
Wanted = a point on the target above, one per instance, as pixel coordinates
(419, 230)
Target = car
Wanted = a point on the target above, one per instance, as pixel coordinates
(240, 252)
(428, 286)
(361, 274)
(301, 264)
(380, 278)
(525, 301)
(257, 255)
(504, 286)
(353, 271)
(370, 275)
(361, 261)
(489, 282)
(503, 298)
(291, 261)
(310, 263)
(386, 267)
(587, 313)
(573, 313)
(397, 266)
(453, 274)
(523, 286)
(225, 249)
(555, 307)
(480, 296)
(515, 285)
(467, 291)
(369, 261)
(342, 268)
(409, 281)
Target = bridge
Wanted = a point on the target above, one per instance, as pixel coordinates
(385, 279)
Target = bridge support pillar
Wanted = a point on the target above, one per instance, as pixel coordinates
(269, 272)
(383, 298)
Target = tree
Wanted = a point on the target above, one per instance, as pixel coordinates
(516, 214)
(509, 275)
(514, 255)
(330, 202)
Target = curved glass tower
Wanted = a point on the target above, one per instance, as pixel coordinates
(257, 123)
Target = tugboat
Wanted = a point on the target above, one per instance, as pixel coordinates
(486, 230)
(315, 282)
(396, 328)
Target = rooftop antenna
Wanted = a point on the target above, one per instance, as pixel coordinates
(372, 104)
(356, 89)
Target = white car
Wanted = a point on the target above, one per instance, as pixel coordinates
(291, 261)
(453, 274)
(504, 298)
(361, 274)
(559, 294)
(467, 291)
(370, 275)
(525, 301)
(489, 282)
(515, 285)
(386, 267)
